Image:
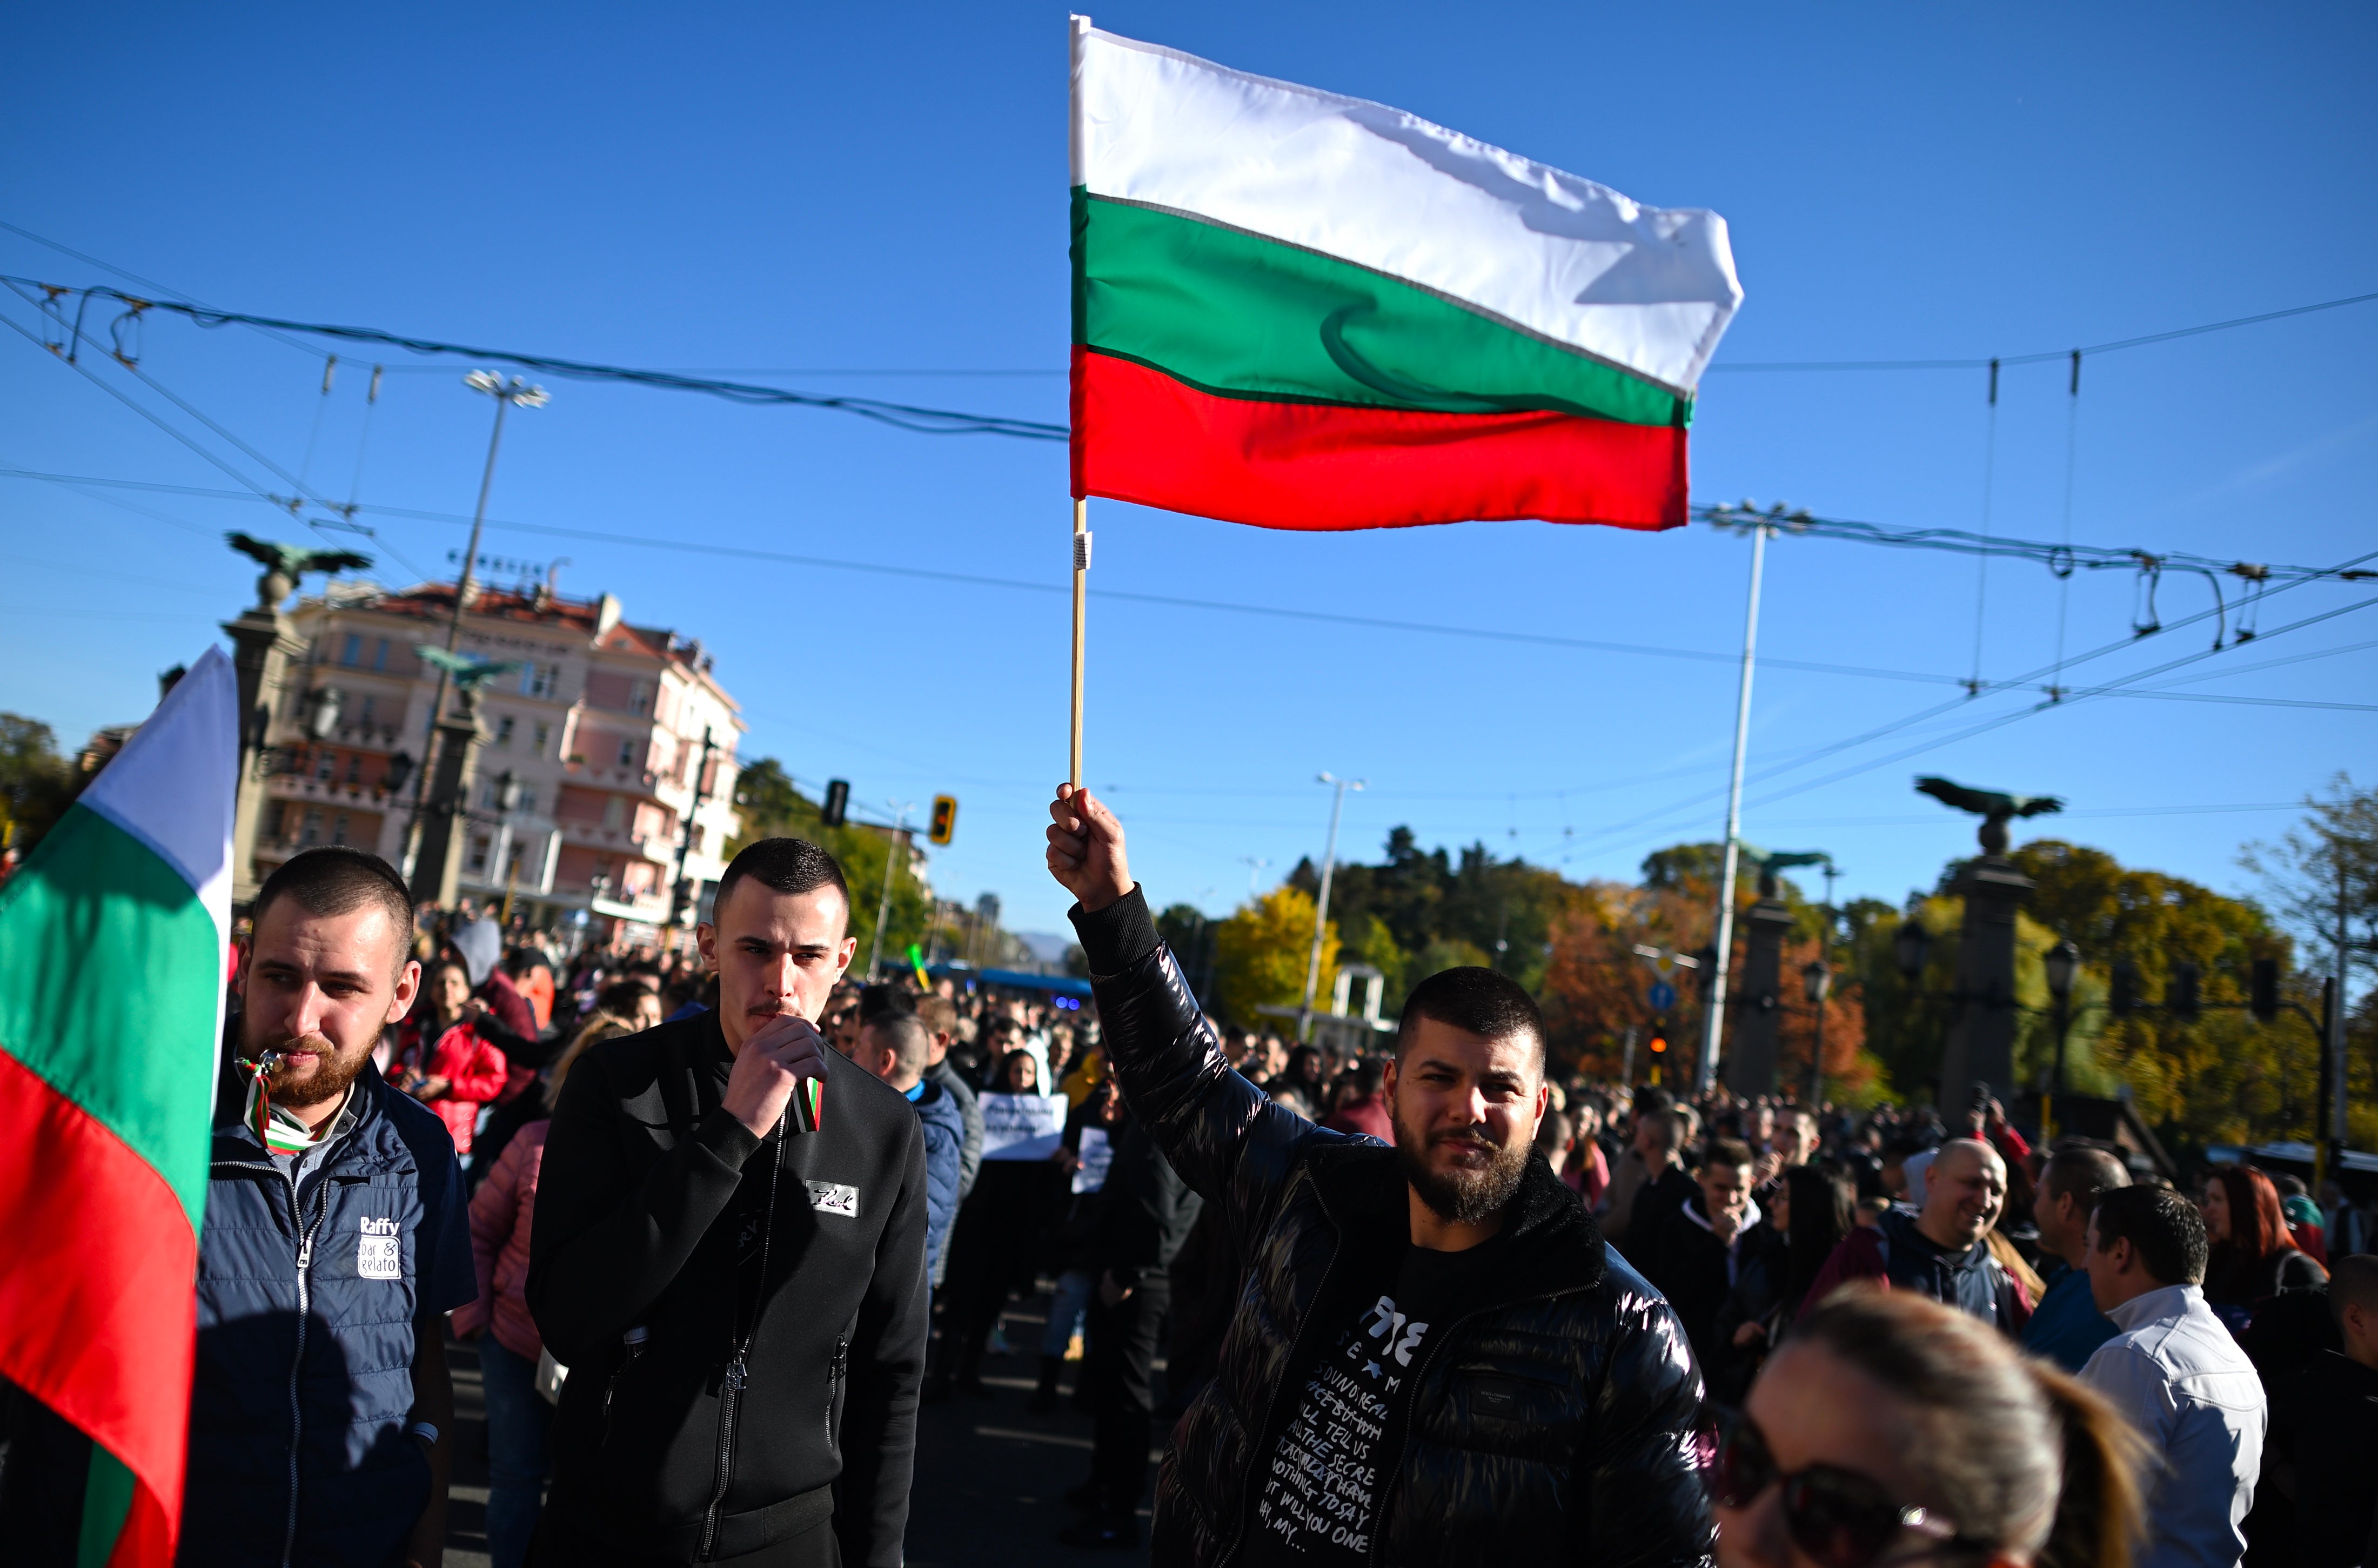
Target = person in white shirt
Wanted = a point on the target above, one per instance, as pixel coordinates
(2175, 1372)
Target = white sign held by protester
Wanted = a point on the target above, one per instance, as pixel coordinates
(1021, 1127)
(1097, 1153)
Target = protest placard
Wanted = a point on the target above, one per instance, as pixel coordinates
(1021, 1127)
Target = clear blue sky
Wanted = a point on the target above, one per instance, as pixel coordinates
(862, 188)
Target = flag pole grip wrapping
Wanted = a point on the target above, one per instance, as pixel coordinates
(1081, 585)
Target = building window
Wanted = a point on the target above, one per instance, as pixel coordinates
(339, 829)
(479, 848)
(504, 730)
(627, 754)
(355, 774)
(544, 735)
(352, 653)
(326, 765)
(540, 679)
(615, 813)
(312, 834)
(365, 718)
(639, 698)
(697, 838)
(379, 656)
(528, 801)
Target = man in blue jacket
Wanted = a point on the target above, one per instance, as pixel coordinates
(895, 1046)
(336, 1239)
(2066, 1326)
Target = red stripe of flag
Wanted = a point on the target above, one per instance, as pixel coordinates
(98, 1302)
(1141, 435)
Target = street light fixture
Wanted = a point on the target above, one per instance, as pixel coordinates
(2062, 962)
(1911, 946)
(1321, 909)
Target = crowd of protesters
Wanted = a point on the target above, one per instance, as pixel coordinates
(1609, 1320)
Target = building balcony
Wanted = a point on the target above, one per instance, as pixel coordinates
(331, 792)
(660, 848)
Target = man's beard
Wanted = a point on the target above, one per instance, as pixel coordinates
(331, 1078)
(1460, 1197)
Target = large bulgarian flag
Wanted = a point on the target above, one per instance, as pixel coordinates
(1306, 311)
(112, 941)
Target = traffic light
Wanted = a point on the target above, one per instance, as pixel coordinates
(1659, 1041)
(945, 819)
(2179, 992)
(2122, 995)
(837, 802)
(2265, 996)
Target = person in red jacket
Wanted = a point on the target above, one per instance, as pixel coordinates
(441, 1061)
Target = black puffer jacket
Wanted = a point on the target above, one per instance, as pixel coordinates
(1556, 1422)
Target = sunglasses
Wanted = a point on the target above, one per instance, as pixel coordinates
(1837, 1516)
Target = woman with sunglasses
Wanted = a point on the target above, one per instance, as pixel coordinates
(1888, 1429)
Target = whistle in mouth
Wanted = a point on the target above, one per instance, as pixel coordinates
(269, 1063)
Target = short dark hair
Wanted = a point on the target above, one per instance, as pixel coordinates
(2162, 1228)
(909, 1042)
(880, 1000)
(1479, 1001)
(339, 879)
(787, 865)
(2352, 1282)
(2083, 1174)
(1728, 1151)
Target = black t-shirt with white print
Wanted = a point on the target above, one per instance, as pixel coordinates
(1322, 1484)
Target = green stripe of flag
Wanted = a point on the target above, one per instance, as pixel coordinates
(1240, 316)
(105, 994)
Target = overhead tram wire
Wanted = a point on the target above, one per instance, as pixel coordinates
(1695, 802)
(911, 417)
(255, 491)
(1984, 362)
(930, 421)
(2000, 722)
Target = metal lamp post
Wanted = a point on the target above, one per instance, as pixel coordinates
(1817, 980)
(1321, 910)
(506, 392)
(891, 861)
(2062, 963)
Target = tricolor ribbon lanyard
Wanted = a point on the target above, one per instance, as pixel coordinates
(274, 1138)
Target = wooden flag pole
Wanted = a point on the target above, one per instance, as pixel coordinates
(1081, 606)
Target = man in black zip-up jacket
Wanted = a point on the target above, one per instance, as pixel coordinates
(737, 1285)
(1434, 1360)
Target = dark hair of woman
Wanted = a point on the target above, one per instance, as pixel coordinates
(1823, 1210)
(2257, 1225)
(1009, 1073)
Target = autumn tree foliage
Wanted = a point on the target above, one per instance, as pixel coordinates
(1261, 953)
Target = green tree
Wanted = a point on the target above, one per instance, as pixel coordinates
(36, 784)
(2324, 874)
(1190, 934)
(1260, 954)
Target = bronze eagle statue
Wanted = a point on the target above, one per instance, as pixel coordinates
(1995, 807)
(285, 564)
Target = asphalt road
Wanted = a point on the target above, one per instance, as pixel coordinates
(989, 1474)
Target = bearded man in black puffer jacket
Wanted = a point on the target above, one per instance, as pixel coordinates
(1434, 1360)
